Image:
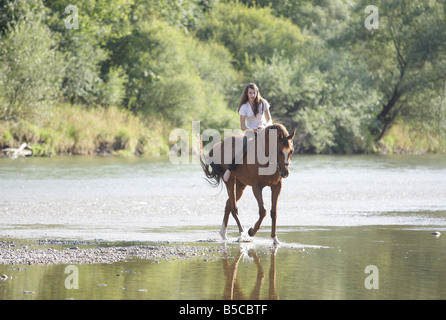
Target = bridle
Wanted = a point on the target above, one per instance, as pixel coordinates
(279, 164)
(287, 163)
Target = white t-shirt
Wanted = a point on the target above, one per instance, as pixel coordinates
(253, 122)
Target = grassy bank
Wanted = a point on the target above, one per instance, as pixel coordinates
(80, 130)
(404, 138)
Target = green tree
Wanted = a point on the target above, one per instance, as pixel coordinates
(30, 67)
(184, 15)
(90, 77)
(402, 68)
(339, 107)
(329, 100)
(250, 33)
(174, 75)
(321, 18)
(405, 55)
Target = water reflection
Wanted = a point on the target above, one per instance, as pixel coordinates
(411, 264)
(364, 210)
(234, 289)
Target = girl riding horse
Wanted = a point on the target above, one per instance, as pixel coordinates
(254, 115)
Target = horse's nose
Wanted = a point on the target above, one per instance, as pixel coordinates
(284, 174)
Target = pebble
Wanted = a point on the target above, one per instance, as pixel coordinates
(28, 292)
(13, 254)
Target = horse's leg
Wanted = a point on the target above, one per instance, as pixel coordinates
(224, 224)
(275, 191)
(257, 190)
(231, 205)
(230, 185)
(239, 187)
(255, 293)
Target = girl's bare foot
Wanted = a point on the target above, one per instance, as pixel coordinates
(227, 175)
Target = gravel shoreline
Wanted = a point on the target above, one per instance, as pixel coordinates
(42, 252)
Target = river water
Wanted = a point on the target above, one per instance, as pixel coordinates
(338, 218)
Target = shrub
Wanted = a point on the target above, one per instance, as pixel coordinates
(30, 67)
(174, 76)
(250, 33)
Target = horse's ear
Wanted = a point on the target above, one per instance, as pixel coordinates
(291, 136)
(280, 135)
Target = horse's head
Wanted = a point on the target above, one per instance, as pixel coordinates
(285, 150)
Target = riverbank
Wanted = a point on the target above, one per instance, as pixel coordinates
(405, 139)
(112, 131)
(82, 130)
(53, 251)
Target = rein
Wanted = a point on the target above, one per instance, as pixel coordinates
(277, 162)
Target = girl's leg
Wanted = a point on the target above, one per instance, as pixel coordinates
(236, 160)
(227, 175)
(230, 168)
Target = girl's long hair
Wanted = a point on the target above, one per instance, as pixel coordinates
(245, 98)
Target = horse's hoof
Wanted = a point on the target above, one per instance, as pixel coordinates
(276, 241)
(244, 238)
(223, 236)
(251, 232)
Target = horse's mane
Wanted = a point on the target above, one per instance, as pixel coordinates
(279, 127)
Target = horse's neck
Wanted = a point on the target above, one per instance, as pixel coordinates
(268, 135)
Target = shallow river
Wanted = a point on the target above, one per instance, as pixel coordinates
(351, 227)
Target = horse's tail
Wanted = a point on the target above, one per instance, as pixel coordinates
(212, 171)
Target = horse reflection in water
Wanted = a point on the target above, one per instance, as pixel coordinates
(277, 147)
(233, 287)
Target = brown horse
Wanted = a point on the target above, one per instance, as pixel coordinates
(275, 145)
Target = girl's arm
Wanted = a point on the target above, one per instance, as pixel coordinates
(268, 118)
(243, 123)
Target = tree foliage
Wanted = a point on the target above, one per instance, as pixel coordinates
(175, 76)
(250, 33)
(339, 84)
(406, 55)
(30, 67)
